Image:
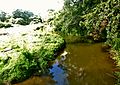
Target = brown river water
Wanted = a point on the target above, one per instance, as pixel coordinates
(85, 64)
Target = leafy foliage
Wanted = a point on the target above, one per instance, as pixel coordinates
(19, 16)
(24, 15)
(36, 19)
(96, 19)
(5, 25)
(19, 13)
(21, 21)
(2, 16)
(26, 55)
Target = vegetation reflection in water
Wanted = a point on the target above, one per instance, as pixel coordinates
(85, 64)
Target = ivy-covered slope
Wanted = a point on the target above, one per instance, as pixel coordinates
(26, 55)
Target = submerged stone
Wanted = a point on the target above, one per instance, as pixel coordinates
(23, 56)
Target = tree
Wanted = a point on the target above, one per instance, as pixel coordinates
(36, 19)
(19, 13)
(2, 16)
(23, 15)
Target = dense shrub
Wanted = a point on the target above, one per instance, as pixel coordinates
(5, 25)
(98, 19)
(2, 16)
(19, 13)
(21, 21)
(23, 16)
(2, 25)
(21, 57)
(36, 19)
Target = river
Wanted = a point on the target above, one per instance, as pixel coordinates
(85, 64)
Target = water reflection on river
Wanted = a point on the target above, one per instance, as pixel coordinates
(85, 65)
(89, 65)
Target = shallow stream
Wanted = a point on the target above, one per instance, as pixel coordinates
(84, 64)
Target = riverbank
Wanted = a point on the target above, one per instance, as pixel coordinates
(89, 64)
(27, 54)
(84, 64)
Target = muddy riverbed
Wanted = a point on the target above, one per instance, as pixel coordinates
(84, 64)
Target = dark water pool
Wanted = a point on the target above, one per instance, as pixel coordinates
(85, 64)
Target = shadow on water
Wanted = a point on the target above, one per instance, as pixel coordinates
(85, 64)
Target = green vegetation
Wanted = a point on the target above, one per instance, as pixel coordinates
(19, 13)
(115, 51)
(21, 21)
(28, 54)
(36, 19)
(19, 16)
(2, 16)
(89, 20)
(3, 19)
(96, 20)
(23, 15)
(5, 25)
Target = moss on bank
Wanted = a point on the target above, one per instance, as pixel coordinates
(26, 55)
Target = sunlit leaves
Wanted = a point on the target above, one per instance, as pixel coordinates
(23, 56)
